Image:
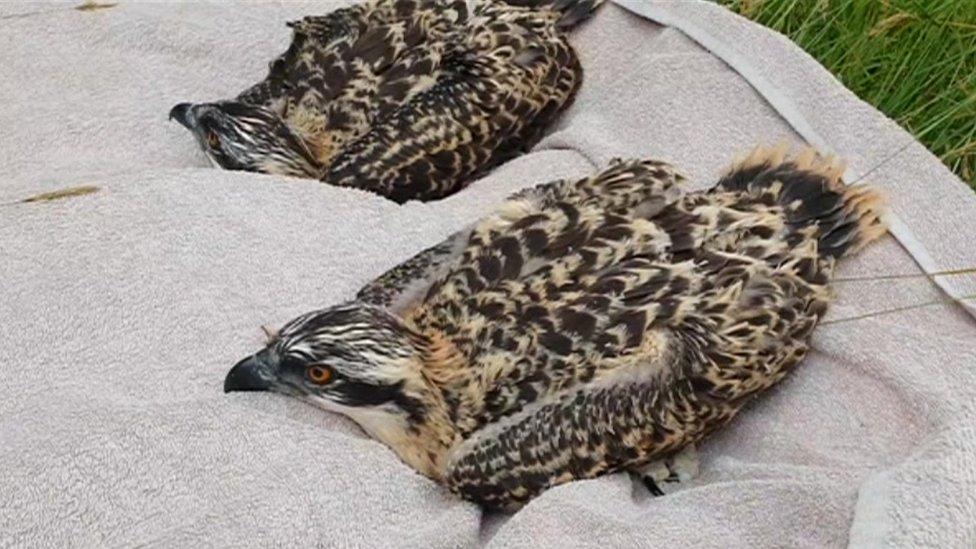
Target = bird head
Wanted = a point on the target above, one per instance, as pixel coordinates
(354, 359)
(239, 136)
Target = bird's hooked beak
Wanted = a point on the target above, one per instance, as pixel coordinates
(254, 373)
(184, 114)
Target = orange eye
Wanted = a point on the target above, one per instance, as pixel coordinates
(213, 140)
(319, 375)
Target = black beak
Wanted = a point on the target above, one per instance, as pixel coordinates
(183, 113)
(251, 374)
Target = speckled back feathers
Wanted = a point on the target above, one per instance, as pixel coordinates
(608, 321)
(411, 99)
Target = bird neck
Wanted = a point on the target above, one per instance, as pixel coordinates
(295, 163)
(421, 431)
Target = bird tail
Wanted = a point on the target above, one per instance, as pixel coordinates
(572, 12)
(812, 194)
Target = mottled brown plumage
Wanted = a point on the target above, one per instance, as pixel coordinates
(409, 99)
(586, 327)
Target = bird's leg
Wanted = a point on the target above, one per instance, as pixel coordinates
(663, 475)
(653, 475)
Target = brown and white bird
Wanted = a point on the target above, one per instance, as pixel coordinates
(585, 327)
(409, 99)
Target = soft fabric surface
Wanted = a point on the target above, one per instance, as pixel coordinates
(121, 311)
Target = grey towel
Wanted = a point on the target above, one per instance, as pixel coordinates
(121, 310)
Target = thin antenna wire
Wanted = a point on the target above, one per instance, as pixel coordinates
(951, 301)
(884, 161)
(915, 136)
(930, 276)
(951, 272)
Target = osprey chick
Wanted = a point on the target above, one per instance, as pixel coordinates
(409, 99)
(584, 328)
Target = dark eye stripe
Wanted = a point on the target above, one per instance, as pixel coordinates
(368, 394)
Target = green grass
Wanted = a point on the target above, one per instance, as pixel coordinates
(915, 60)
